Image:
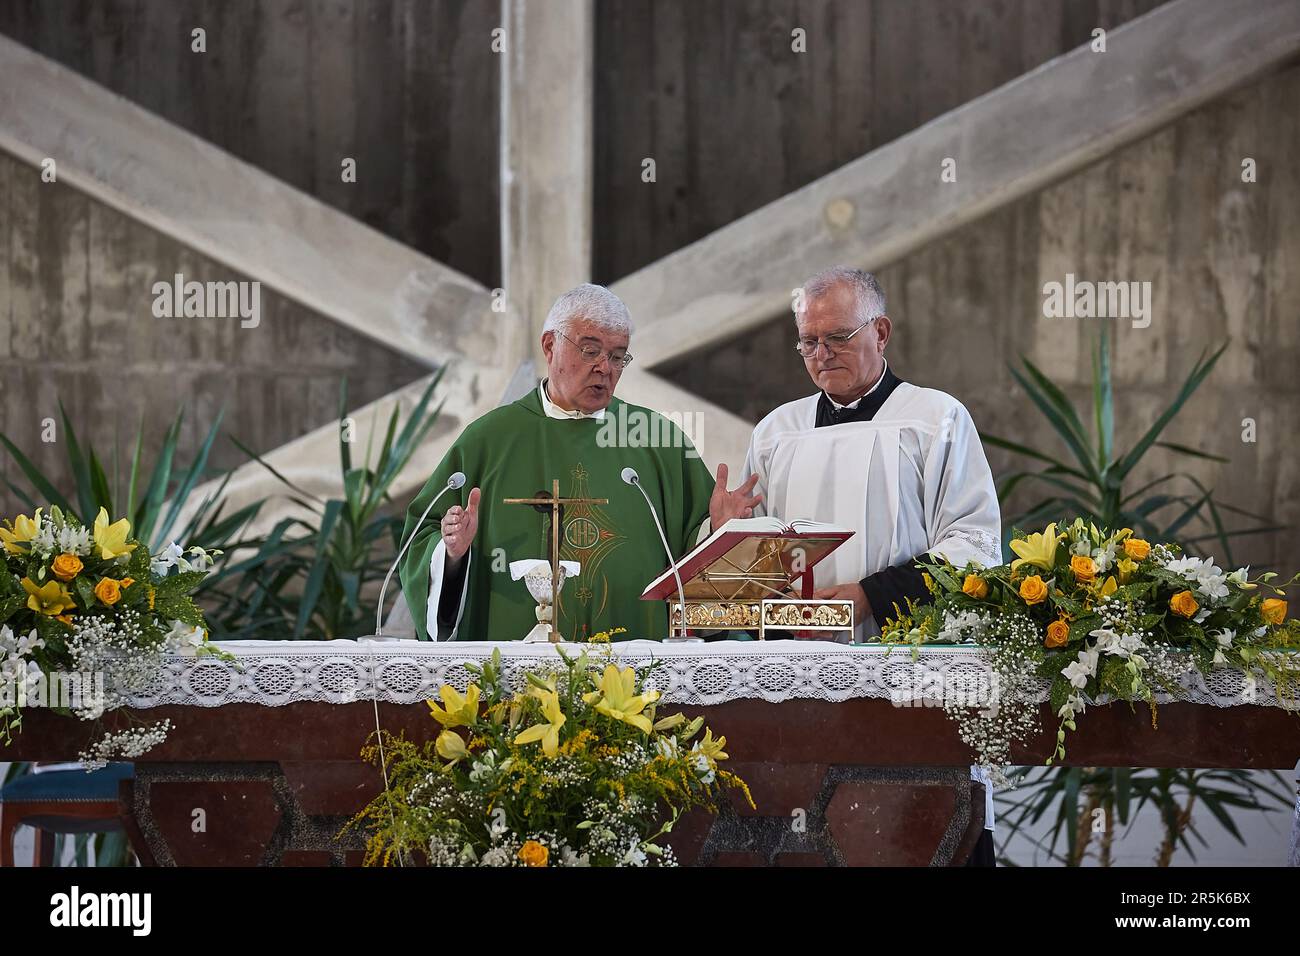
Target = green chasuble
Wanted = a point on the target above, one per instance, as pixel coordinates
(515, 452)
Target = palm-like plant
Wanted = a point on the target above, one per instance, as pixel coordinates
(152, 495)
(1092, 483)
(307, 577)
(1113, 796)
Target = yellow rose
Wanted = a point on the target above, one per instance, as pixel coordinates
(66, 567)
(108, 591)
(1058, 634)
(1183, 604)
(534, 853)
(1136, 548)
(1273, 610)
(1083, 567)
(1033, 590)
(50, 599)
(975, 586)
(1127, 568)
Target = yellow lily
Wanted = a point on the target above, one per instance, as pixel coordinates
(669, 723)
(1037, 549)
(457, 710)
(1109, 587)
(711, 748)
(616, 698)
(110, 539)
(547, 732)
(22, 531)
(451, 746)
(52, 599)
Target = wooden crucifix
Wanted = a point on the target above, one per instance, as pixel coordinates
(555, 503)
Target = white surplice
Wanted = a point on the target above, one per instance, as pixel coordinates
(912, 480)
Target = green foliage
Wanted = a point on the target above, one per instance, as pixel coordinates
(1091, 482)
(578, 768)
(312, 576)
(1111, 799)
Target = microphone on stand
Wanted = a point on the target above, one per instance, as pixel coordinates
(632, 478)
(457, 480)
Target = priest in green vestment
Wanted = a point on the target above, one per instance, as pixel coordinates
(456, 574)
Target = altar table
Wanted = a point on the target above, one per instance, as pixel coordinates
(842, 773)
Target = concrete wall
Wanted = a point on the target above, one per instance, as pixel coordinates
(1221, 256)
(76, 324)
(734, 119)
(408, 88)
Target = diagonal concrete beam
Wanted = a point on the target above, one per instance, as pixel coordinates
(224, 208)
(311, 462)
(1007, 144)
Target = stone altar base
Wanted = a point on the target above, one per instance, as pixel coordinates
(859, 782)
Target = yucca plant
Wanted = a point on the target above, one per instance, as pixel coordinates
(1113, 796)
(308, 576)
(152, 495)
(1093, 483)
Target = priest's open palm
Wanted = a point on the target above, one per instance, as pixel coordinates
(725, 505)
(459, 526)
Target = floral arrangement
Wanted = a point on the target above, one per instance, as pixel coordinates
(1098, 614)
(86, 615)
(573, 766)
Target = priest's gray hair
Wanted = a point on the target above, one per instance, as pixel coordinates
(868, 294)
(595, 304)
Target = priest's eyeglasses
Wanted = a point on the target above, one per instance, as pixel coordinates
(807, 346)
(591, 355)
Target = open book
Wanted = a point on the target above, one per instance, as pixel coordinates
(749, 559)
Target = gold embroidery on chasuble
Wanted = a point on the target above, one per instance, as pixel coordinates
(589, 536)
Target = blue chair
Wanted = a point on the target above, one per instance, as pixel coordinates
(60, 801)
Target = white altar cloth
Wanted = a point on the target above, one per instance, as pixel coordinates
(275, 673)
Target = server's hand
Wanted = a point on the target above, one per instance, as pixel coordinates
(847, 592)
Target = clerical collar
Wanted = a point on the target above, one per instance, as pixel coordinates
(858, 401)
(830, 412)
(555, 411)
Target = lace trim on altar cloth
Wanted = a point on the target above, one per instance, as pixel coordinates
(275, 673)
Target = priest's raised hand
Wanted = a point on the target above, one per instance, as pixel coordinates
(458, 528)
(725, 505)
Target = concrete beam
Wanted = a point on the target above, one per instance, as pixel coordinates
(1007, 144)
(311, 461)
(224, 208)
(719, 435)
(546, 158)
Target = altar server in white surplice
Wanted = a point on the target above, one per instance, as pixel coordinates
(899, 464)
